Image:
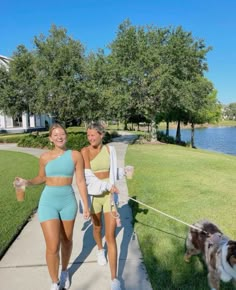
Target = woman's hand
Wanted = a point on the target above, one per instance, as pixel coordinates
(18, 182)
(86, 213)
(114, 189)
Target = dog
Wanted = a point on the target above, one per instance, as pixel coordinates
(218, 251)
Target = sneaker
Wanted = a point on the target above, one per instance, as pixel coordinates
(55, 286)
(101, 259)
(115, 284)
(64, 280)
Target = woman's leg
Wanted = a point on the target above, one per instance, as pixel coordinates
(51, 232)
(97, 229)
(66, 242)
(110, 227)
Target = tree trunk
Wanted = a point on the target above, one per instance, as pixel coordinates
(125, 125)
(192, 135)
(178, 134)
(167, 128)
(153, 131)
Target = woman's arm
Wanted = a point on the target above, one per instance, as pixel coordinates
(85, 154)
(80, 180)
(39, 179)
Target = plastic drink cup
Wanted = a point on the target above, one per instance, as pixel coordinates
(20, 190)
(129, 171)
(20, 193)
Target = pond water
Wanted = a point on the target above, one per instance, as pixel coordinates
(219, 139)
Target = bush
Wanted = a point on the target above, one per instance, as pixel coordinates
(107, 138)
(10, 139)
(77, 141)
(114, 134)
(34, 141)
(162, 137)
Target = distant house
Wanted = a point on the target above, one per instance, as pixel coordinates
(23, 122)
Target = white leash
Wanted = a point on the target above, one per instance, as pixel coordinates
(169, 216)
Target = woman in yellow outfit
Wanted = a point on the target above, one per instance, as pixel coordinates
(100, 173)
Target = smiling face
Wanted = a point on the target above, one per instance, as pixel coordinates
(94, 137)
(58, 137)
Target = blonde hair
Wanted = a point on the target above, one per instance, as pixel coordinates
(98, 126)
(55, 126)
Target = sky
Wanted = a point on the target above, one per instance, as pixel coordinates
(95, 24)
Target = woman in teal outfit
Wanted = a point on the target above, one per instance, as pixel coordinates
(58, 206)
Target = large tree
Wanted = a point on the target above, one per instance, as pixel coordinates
(18, 87)
(60, 75)
(231, 111)
(135, 58)
(203, 107)
(184, 59)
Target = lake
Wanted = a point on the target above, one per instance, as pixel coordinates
(218, 139)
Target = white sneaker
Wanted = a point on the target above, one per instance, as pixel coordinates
(115, 284)
(64, 280)
(55, 286)
(101, 259)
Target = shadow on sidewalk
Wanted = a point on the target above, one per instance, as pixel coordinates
(89, 243)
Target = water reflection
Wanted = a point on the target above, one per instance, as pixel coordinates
(219, 139)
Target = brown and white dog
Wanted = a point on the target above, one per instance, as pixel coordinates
(219, 252)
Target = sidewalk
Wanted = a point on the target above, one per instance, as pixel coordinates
(23, 267)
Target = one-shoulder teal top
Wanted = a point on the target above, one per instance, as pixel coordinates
(63, 165)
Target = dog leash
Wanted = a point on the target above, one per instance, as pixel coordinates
(169, 216)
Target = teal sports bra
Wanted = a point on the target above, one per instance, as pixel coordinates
(63, 165)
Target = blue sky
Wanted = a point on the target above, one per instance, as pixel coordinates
(95, 23)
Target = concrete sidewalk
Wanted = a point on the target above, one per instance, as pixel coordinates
(23, 267)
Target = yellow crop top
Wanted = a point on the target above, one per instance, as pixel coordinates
(102, 161)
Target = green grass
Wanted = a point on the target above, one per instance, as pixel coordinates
(188, 184)
(14, 214)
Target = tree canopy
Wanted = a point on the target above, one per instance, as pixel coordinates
(147, 73)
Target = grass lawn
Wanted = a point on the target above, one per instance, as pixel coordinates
(14, 214)
(188, 184)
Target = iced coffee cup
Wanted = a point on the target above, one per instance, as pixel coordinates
(129, 171)
(20, 189)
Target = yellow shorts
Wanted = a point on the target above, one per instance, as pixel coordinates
(102, 203)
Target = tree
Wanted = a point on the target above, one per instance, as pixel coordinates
(204, 106)
(19, 88)
(135, 61)
(231, 111)
(60, 75)
(184, 60)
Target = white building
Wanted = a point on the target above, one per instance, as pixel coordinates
(24, 122)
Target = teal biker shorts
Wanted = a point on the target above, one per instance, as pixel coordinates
(57, 202)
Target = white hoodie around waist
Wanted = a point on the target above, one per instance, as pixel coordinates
(96, 186)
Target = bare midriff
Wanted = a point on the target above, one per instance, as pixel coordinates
(58, 181)
(102, 174)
